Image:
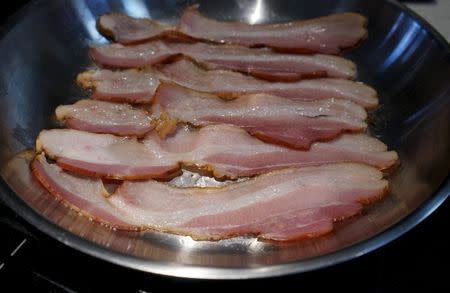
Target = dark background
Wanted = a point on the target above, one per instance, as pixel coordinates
(417, 261)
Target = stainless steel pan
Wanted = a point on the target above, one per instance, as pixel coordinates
(45, 45)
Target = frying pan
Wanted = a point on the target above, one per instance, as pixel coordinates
(45, 45)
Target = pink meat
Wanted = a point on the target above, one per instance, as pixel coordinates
(124, 29)
(231, 84)
(105, 117)
(139, 85)
(261, 62)
(283, 205)
(292, 123)
(224, 150)
(285, 226)
(330, 34)
(132, 86)
(140, 55)
(86, 195)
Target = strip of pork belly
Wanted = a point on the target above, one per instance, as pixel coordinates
(282, 205)
(232, 84)
(329, 35)
(103, 155)
(225, 150)
(132, 86)
(277, 203)
(292, 225)
(292, 123)
(139, 86)
(261, 62)
(230, 152)
(258, 158)
(84, 194)
(105, 117)
(124, 29)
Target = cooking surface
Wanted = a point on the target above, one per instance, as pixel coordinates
(410, 262)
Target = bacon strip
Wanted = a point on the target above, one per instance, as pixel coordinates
(232, 84)
(224, 150)
(329, 35)
(84, 194)
(263, 62)
(103, 155)
(292, 123)
(105, 117)
(132, 86)
(139, 85)
(283, 205)
(124, 29)
(139, 55)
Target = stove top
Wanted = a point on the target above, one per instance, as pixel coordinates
(30, 260)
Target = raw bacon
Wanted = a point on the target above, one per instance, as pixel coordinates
(229, 84)
(295, 124)
(329, 35)
(132, 86)
(315, 175)
(283, 205)
(139, 85)
(105, 117)
(84, 194)
(225, 151)
(124, 29)
(103, 155)
(263, 62)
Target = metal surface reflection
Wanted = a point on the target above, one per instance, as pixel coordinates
(87, 19)
(403, 58)
(136, 8)
(410, 41)
(257, 13)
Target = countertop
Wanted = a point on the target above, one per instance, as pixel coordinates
(437, 13)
